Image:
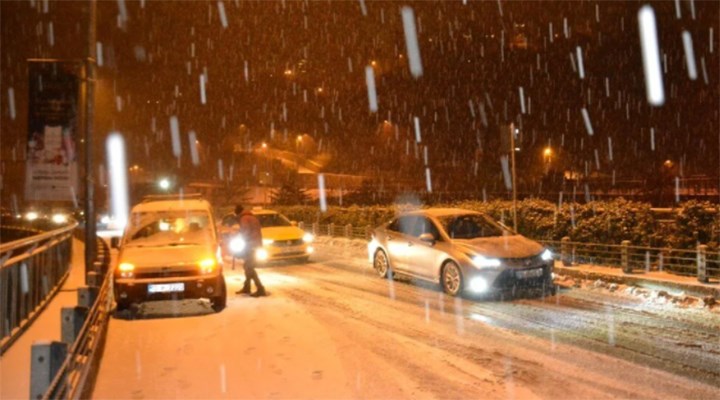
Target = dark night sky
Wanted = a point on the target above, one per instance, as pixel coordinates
(328, 44)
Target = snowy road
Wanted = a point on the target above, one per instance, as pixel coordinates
(331, 329)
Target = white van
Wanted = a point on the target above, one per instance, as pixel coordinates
(170, 250)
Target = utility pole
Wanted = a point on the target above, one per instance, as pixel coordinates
(514, 180)
(90, 234)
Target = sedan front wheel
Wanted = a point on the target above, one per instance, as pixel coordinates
(381, 264)
(452, 280)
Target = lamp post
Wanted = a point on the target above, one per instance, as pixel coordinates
(89, 168)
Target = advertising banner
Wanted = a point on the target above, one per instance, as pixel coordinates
(52, 169)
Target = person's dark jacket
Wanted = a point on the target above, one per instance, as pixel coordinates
(250, 229)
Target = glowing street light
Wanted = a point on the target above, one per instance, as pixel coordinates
(164, 184)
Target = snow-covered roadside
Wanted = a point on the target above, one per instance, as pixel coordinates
(648, 297)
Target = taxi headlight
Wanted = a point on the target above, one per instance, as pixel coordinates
(547, 255)
(237, 245)
(308, 237)
(261, 254)
(126, 270)
(31, 216)
(485, 262)
(207, 265)
(267, 242)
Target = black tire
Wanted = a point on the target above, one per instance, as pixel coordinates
(122, 305)
(451, 279)
(220, 302)
(381, 264)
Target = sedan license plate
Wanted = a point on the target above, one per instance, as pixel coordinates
(166, 287)
(529, 273)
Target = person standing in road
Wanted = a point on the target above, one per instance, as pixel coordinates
(250, 231)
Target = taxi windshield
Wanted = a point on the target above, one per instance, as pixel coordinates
(273, 220)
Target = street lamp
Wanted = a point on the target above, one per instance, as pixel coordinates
(164, 184)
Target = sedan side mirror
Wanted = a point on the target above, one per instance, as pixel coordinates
(427, 238)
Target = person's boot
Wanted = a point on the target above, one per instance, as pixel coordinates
(244, 290)
(260, 292)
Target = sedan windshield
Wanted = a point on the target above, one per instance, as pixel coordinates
(471, 226)
(168, 228)
(272, 220)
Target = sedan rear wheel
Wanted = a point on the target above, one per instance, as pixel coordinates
(381, 264)
(452, 280)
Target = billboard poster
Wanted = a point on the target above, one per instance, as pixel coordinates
(52, 168)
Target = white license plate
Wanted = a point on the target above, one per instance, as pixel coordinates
(529, 273)
(288, 250)
(166, 287)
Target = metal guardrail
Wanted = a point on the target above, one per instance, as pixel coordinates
(683, 262)
(76, 377)
(695, 262)
(32, 269)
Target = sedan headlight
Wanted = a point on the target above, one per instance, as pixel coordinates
(237, 245)
(485, 262)
(547, 255)
(308, 237)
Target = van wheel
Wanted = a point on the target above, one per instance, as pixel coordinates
(122, 305)
(220, 302)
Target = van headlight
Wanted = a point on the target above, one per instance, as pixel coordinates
(308, 237)
(547, 255)
(207, 265)
(126, 269)
(485, 262)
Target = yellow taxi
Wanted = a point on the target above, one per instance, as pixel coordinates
(282, 239)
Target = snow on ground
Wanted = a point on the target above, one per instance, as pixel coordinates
(332, 329)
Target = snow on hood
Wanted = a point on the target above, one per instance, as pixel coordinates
(513, 246)
(180, 254)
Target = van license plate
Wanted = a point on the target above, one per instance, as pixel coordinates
(166, 287)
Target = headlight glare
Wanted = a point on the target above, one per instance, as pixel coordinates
(308, 237)
(261, 254)
(59, 218)
(267, 242)
(126, 269)
(485, 262)
(547, 255)
(207, 265)
(237, 245)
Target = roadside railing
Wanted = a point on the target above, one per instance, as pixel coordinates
(67, 369)
(698, 262)
(32, 269)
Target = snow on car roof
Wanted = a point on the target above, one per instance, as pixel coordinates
(171, 205)
(264, 212)
(440, 212)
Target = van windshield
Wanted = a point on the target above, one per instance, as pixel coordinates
(168, 227)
